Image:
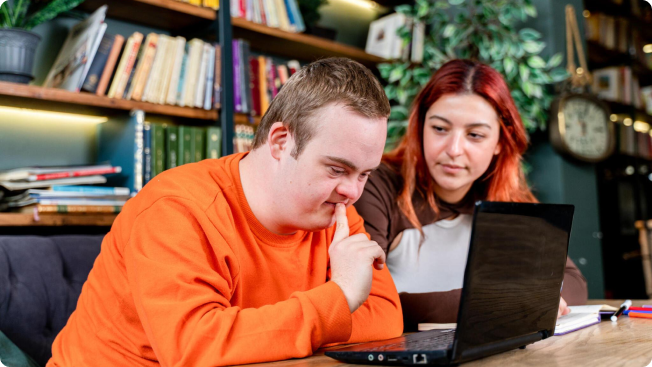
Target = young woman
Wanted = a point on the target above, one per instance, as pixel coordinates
(464, 143)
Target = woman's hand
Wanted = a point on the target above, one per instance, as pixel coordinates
(563, 308)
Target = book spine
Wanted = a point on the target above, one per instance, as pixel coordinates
(237, 97)
(131, 58)
(182, 78)
(213, 142)
(147, 152)
(92, 190)
(210, 79)
(254, 70)
(107, 72)
(79, 173)
(200, 87)
(200, 144)
(85, 209)
(184, 151)
(176, 71)
(246, 76)
(262, 75)
(97, 67)
(138, 151)
(217, 93)
(158, 149)
(171, 146)
(144, 68)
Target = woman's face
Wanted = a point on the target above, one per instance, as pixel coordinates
(460, 138)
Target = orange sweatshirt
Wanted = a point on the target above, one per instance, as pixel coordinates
(187, 276)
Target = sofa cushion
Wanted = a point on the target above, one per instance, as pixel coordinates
(40, 281)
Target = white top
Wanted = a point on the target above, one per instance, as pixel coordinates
(439, 264)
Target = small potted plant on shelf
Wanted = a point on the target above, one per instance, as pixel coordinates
(17, 43)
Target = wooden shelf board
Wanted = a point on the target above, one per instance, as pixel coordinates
(244, 119)
(88, 99)
(297, 45)
(55, 220)
(163, 14)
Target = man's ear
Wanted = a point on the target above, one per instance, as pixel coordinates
(278, 139)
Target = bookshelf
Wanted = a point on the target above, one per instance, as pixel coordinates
(178, 18)
(101, 103)
(55, 220)
(624, 179)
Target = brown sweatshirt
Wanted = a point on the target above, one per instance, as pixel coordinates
(384, 221)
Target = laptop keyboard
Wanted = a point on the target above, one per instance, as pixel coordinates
(438, 341)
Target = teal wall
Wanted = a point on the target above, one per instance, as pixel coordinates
(558, 180)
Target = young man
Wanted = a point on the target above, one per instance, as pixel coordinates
(238, 260)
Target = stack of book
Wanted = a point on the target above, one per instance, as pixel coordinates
(16, 183)
(213, 4)
(257, 79)
(80, 199)
(283, 14)
(158, 68)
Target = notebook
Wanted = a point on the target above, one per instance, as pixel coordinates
(581, 317)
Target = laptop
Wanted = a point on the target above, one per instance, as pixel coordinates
(510, 296)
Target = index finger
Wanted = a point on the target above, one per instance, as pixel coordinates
(342, 226)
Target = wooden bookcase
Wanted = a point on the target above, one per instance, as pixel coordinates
(624, 180)
(178, 18)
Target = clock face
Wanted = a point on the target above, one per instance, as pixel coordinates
(585, 128)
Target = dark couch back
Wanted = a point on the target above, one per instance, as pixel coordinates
(40, 281)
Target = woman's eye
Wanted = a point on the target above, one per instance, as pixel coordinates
(476, 136)
(439, 129)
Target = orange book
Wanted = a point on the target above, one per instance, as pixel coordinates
(144, 67)
(110, 65)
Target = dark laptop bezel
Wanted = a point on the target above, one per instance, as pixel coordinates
(455, 354)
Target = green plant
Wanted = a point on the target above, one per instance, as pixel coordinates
(27, 14)
(310, 11)
(483, 30)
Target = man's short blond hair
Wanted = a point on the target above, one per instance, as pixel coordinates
(333, 80)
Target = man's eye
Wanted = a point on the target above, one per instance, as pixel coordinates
(337, 171)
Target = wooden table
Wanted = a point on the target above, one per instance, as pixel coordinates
(626, 343)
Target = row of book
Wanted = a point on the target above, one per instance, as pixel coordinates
(144, 149)
(78, 199)
(158, 68)
(243, 139)
(257, 79)
(384, 41)
(618, 84)
(635, 141)
(213, 4)
(618, 34)
(282, 14)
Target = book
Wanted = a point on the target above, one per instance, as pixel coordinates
(184, 148)
(166, 72)
(147, 152)
(23, 174)
(74, 173)
(195, 56)
(213, 142)
(217, 91)
(155, 76)
(111, 61)
(254, 71)
(69, 67)
(237, 89)
(120, 142)
(180, 46)
(182, 77)
(158, 149)
(24, 185)
(90, 190)
(200, 86)
(210, 78)
(434, 326)
(99, 62)
(143, 68)
(199, 136)
(171, 146)
(123, 71)
(382, 39)
(581, 317)
(91, 56)
(79, 209)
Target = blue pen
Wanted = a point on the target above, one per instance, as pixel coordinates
(628, 311)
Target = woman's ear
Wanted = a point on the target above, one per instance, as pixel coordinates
(498, 149)
(278, 139)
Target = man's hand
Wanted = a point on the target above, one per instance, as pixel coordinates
(351, 261)
(563, 308)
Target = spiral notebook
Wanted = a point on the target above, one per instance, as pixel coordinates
(581, 317)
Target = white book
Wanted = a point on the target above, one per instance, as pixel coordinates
(66, 72)
(176, 71)
(256, 11)
(210, 79)
(192, 76)
(155, 74)
(382, 39)
(22, 185)
(200, 86)
(270, 13)
(166, 71)
(282, 14)
(249, 4)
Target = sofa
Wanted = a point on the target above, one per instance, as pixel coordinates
(40, 281)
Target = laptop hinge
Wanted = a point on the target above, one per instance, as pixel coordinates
(493, 348)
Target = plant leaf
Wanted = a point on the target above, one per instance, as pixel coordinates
(536, 62)
(555, 60)
(529, 34)
(449, 30)
(456, 2)
(49, 11)
(533, 47)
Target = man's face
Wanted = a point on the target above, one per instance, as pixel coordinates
(332, 168)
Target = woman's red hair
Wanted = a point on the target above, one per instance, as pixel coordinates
(504, 180)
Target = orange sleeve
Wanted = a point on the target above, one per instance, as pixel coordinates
(182, 274)
(380, 317)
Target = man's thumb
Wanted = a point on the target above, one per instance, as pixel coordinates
(342, 226)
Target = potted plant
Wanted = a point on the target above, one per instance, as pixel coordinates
(484, 30)
(17, 43)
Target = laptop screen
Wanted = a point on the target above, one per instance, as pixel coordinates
(513, 275)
